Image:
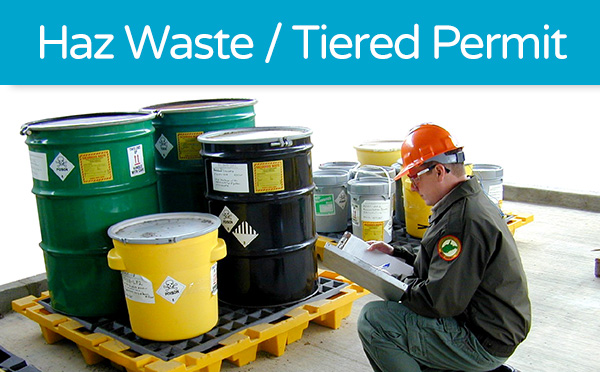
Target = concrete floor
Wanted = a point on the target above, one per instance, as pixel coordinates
(558, 250)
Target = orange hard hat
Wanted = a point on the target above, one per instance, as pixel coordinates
(427, 143)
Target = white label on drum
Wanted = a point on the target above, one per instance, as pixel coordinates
(171, 289)
(496, 193)
(39, 165)
(375, 210)
(245, 234)
(137, 288)
(227, 177)
(228, 219)
(163, 146)
(136, 160)
(61, 166)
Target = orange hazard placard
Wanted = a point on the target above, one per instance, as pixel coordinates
(188, 147)
(268, 176)
(95, 167)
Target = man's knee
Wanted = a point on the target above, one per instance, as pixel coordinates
(374, 318)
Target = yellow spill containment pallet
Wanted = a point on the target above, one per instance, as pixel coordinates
(518, 220)
(240, 348)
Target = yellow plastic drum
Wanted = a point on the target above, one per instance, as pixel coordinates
(383, 153)
(416, 212)
(168, 262)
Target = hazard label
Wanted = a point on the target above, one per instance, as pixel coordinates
(163, 146)
(171, 289)
(245, 234)
(95, 167)
(268, 176)
(136, 160)
(228, 219)
(373, 230)
(61, 166)
(342, 200)
(324, 205)
(188, 147)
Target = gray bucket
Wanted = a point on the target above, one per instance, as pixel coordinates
(378, 171)
(340, 165)
(331, 200)
(372, 205)
(490, 179)
(346, 166)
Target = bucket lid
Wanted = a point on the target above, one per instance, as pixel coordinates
(280, 136)
(86, 121)
(201, 105)
(488, 171)
(164, 228)
(381, 146)
(374, 171)
(347, 165)
(370, 186)
(330, 177)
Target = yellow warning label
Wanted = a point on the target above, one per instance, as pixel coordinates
(188, 147)
(373, 230)
(95, 167)
(268, 176)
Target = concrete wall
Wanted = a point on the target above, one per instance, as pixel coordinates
(545, 137)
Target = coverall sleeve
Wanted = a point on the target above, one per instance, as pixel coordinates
(450, 283)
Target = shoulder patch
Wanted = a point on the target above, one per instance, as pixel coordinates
(449, 247)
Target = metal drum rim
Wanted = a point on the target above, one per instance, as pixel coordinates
(45, 124)
(113, 231)
(230, 103)
(213, 137)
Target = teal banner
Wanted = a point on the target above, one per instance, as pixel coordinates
(300, 43)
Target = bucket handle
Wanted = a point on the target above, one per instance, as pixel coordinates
(115, 261)
(219, 251)
(358, 170)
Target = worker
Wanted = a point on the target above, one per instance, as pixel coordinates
(467, 306)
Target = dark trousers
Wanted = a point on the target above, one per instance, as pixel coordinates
(396, 339)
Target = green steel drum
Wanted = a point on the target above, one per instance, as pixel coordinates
(89, 172)
(179, 165)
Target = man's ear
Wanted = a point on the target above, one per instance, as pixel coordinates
(439, 170)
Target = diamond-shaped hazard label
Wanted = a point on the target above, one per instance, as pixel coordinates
(228, 219)
(171, 289)
(61, 166)
(163, 146)
(342, 199)
(245, 234)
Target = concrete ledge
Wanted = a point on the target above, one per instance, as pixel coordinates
(584, 202)
(34, 285)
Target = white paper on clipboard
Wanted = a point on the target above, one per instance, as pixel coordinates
(357, 247)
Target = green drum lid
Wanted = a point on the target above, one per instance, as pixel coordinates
(200, 105)
(86, 121)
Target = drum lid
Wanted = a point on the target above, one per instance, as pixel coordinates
(201, 105)
(258, 135)
(164, 228)
(86, 121)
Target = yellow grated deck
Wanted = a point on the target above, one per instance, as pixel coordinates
(240, 349)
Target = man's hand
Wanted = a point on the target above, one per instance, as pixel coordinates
(380, 246)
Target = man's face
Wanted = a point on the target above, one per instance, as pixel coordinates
(426, 184)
